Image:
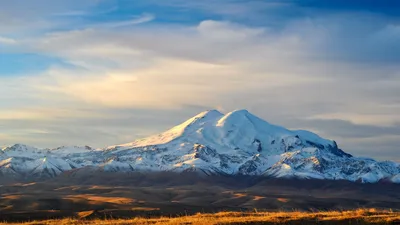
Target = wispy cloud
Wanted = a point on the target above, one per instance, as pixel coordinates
(144, 18)
(73, 13)
(332, 69)
(86, 13)
(7, 41)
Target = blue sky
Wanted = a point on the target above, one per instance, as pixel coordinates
(103, 72)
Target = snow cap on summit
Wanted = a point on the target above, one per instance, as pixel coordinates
(209, 113)
(238, 143)
(240, 111)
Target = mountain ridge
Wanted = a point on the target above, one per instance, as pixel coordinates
(210, 143)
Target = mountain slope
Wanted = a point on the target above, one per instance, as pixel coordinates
(237, 143)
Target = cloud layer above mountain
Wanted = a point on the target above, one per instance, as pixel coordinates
(105, 72)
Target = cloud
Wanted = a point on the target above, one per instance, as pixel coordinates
(160, 86)
(226, 31)
(86, 13)
(334, 72)
(7, 41)
(23, 17)
(144, 18)
(197, 61)
(346, 129)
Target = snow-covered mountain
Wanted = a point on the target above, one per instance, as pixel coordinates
(237, 143)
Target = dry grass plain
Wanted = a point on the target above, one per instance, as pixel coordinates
(187, 199)
(359, 216)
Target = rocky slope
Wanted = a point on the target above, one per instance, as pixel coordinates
(237, 143)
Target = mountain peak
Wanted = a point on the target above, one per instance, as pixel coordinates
(193, 123)
(199, 119)
(19, 147)
(240, 111)
(237, 143)
(236, 117)
(210, 112)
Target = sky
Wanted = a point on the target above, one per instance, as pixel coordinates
(106, 72)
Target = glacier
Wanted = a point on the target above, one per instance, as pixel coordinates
(210, 143)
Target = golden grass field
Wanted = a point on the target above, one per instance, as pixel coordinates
(163, 198)
(359, 216)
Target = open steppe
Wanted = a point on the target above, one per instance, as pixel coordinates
(360, 216)
(169, 195)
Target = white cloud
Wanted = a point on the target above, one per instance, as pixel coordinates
(279, 75)
(144, 18)
(226, 31)
(7, 41)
